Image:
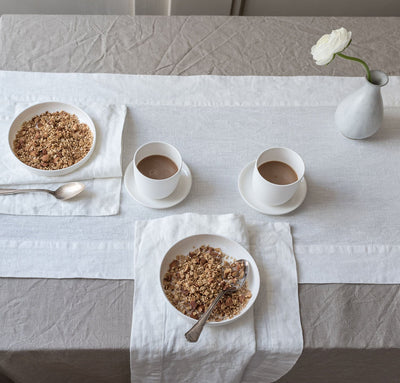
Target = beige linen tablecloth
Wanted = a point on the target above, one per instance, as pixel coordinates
(78, 330)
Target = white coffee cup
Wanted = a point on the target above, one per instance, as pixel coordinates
(157, 188)
(273, 194)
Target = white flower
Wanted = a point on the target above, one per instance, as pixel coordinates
(328, 45)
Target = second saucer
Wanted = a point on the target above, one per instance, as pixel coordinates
(246, 192)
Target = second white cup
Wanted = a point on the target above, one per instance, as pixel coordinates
(151, 187)
(274, 194)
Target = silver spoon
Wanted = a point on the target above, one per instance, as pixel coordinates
(64, 192)
(194, 333)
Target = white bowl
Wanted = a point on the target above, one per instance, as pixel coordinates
(231, 249)
(51, 107)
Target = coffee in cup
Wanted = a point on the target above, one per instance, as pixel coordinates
(277, 172)
(276, 175)
(157, 169)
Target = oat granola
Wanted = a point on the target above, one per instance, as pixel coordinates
(52, 141)
(193, 282)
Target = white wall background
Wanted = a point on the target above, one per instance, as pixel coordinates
(322, 7)
(102, 7)
(207, 7)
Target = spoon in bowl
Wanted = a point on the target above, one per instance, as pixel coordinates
(64, 192)
(194, 333)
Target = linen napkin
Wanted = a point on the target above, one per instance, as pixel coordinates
(101, 174)
(276, 311)
(159, 350)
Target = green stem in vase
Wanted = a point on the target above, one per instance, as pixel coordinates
(358, 60)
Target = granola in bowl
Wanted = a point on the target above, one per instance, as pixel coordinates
(52, 138)
(193, 281)
(52, 141)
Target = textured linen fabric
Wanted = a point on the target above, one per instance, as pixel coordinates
(101, 174)
(78, 330)
(271, 340)
(192, 45)
(65, 330)
(200, 45)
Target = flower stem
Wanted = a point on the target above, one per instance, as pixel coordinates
(358, 60)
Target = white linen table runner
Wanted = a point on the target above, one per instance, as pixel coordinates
(272, 339)
(346, 231)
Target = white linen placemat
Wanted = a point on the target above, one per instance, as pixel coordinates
(159, 350)
(101, 174)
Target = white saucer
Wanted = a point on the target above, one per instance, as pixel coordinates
(180, 193)
(246, 191)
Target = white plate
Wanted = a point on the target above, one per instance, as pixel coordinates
(51, 107)
(180, 193)
(246, 191)
(230, 248)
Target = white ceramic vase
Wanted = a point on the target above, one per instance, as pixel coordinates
(360, 114)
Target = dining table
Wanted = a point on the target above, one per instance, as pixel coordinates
(78, 329)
